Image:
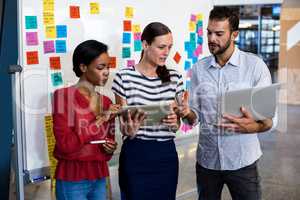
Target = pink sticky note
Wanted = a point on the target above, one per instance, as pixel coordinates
(198, 50)
(137, 36)
(200, 31)
(193, 18)
(130, 63)
(49, 47)
(189, 73)
(32, 38)
(185, 127)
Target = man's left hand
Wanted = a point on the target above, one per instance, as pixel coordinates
(243, 124)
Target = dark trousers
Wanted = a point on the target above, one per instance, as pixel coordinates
(243, 184)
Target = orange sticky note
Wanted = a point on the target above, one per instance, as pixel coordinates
(113, 62)
(127, 25)
(177, 57)
(32, 57)
(55, 62)
(75, 12)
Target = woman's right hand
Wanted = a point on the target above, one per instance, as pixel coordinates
(130, 124)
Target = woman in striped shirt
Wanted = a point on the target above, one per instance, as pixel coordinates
(148, 160)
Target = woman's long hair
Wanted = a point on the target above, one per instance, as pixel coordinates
(151, 31)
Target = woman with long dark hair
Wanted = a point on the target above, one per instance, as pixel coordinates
(148, 161)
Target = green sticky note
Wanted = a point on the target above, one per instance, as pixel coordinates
(56, 79)
(126, 52)
(137, 45)
(30, 22)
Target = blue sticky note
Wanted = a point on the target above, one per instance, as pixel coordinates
(200, 40)
(187, 85)
(186, 46)
(193, 37)
(137, 45)
(193, 46)
(30, 22)
(126, 38)
(194, 60)
(187, 65)
(61, 31)
(61, 46)
(56, 79)
(190, 54)
(126, 52)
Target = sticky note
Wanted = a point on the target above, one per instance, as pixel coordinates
(51, 32)
(192, 26)
(199, 24)
(193, 18)
(126, 52)
(32, 38)
(48, 5)
(127, 25)
(185, 127)
(32, 57)
(74, 12)
(61, 31)
(189, 73)
(137, 45)
(200, 40)
(200, 31)
(192, 37)
(194, 60)
(187, 84)
(55, 62)
(199, 17)
(30, 22)
(190, 54)
(113, 62)
(187, 46)
(49, 46)
(137, 36)
(187, 65)
(192, 45)
(129, 12)
(198, 51)
(56, 79)
(61, 46)
(126, 38)
(177, 57)
(136, 28)
(130, 63)
(94, 8)
(48, 17)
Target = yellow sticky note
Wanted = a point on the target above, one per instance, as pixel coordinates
(129, 12)
(192, 26)
(48, 18)
(50, 32)
(199, 17)
(94, 8)
(136, 28)
(48, 5)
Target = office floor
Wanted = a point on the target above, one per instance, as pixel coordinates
(279, 167)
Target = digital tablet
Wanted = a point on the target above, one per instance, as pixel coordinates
(154, 113)
(260, 101)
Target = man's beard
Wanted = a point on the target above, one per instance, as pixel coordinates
(221, 49)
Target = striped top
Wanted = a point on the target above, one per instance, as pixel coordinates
(138, 89)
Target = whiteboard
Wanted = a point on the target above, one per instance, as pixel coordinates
(107, 26)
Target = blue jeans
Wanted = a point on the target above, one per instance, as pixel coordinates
(81, 190)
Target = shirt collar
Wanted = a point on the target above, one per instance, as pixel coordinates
(234, 59)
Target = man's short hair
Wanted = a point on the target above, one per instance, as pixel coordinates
(221, 13)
